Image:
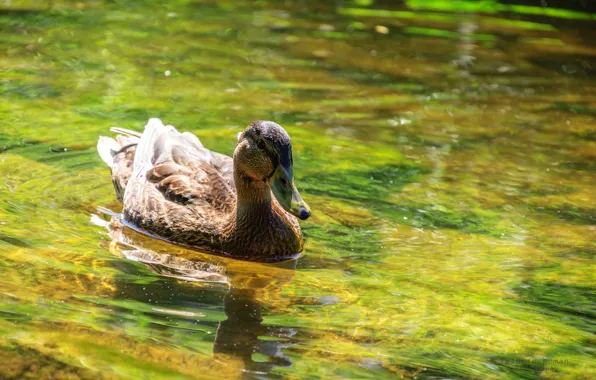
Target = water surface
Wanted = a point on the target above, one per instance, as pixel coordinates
(447, 152)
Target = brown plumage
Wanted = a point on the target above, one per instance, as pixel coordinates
(176, 189)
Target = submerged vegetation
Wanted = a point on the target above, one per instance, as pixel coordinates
(446, 149)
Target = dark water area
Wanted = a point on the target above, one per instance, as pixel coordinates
(576, 5)
(447, 150)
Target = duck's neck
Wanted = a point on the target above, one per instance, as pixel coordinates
(253, 199)
(256, 228)
(253, 212)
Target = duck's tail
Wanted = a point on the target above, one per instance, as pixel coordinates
(105, 147)
(119, 155)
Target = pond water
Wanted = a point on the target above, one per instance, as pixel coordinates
(447, 150)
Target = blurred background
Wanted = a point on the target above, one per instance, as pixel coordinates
(446, 148)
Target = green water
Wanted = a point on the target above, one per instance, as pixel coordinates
(447, 150)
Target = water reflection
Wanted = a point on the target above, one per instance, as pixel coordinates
(240, 335)
(241, 340)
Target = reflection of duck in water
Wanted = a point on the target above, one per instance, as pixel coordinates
(239, 334)
(239, 337)
(178, 190)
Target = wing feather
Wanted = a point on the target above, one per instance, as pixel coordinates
(181, 169)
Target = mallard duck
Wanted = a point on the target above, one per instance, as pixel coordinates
(177, 190)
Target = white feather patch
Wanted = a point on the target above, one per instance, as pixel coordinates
(105, 146)
(144, 153)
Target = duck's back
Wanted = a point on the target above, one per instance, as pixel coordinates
(177, 189)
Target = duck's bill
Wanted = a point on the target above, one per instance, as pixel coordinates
(298, 207)
(282, 186)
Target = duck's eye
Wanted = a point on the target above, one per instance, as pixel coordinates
(261, 144)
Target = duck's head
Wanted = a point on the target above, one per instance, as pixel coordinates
(264, 155)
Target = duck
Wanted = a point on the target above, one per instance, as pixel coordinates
(174, 189)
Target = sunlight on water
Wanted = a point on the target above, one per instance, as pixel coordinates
(447, 152)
